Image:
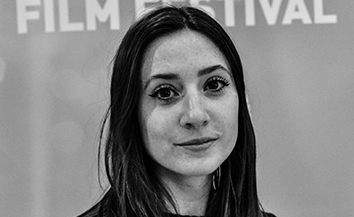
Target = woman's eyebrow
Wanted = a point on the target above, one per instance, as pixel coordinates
(210, 69)
(165, 76)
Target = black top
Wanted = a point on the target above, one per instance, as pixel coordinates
(99, 210)
(175, 215)
(94, 213)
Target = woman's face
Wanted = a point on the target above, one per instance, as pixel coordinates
(189, 105)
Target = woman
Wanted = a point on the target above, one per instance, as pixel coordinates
(180, 140)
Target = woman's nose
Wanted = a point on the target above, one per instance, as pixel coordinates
(194, 114)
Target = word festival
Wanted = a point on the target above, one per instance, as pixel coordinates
(55, 15)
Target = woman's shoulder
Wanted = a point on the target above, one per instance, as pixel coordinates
(101, 209)
(98, 210)
(266, 214)
(92, 212)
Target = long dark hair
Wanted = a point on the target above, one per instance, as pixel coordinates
(135, 189)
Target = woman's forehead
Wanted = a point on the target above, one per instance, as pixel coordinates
(183, 50)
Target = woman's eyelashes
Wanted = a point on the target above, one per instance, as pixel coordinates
(215, 84)
(167, 93)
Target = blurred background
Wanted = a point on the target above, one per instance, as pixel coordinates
(55, 59)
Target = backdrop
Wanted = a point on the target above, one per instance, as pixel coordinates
(55, 57)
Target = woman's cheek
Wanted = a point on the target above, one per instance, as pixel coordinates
(160, 124)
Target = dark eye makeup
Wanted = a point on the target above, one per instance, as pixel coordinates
(164, 92)
(167, 92)
(215, 84)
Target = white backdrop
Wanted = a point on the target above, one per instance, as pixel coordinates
(54, 74)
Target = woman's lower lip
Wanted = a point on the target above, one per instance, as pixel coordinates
(198, 146)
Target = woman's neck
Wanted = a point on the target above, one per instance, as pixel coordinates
(190, 194)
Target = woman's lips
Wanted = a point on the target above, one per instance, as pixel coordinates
(196, 142)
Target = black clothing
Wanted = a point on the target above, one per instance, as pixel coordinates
(97, 212)
(264, 215)
(100, 209)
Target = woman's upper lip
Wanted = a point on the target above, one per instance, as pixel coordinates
(197, 141)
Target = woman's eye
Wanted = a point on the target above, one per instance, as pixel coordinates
(165, 93)
(215, 84)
